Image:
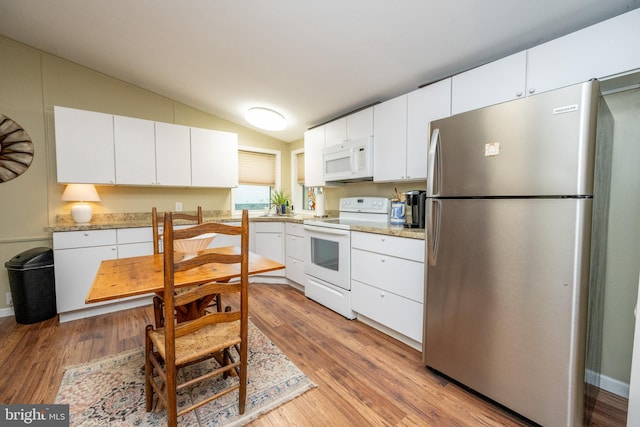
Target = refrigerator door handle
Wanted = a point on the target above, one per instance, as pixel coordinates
(433, 229)
(433, 164)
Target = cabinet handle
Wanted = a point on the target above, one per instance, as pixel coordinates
(86, 233)
(113, 248)
(518, 94)
(532, 90)
(383, 259)
(381, 294)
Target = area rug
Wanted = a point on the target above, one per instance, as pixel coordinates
(110, 391)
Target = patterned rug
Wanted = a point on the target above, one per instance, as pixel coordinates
(110, 391)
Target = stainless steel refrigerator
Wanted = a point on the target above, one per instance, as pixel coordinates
(508, 223)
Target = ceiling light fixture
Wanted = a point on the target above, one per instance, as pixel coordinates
(265, 118)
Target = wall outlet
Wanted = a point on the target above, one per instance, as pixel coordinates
(8, 299)
(178, 206)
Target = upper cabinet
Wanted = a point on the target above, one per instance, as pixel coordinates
(601, 50)
(313, 145)
(86, 153)
(401, 132)
(354, 126)
(99, 148)
(492, 83)
(214, 158)
(135, 148)
(390, 140)
(173, 154)
(424, 105)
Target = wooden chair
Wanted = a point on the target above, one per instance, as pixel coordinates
(220, 334)
(156, 224)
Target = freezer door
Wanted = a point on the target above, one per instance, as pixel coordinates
(505, 303)
(536, 146)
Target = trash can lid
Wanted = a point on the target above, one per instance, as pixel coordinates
(31, 258)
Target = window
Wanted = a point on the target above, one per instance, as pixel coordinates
(258, 174)
(303, 197)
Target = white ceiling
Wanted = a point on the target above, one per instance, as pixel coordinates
(310, 60)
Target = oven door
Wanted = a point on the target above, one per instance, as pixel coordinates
(327, 255)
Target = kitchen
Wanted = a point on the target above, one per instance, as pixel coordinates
(33, 76)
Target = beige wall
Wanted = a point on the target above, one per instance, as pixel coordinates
(623, 260)
(31, 83)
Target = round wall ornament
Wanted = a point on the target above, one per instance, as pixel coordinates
(16, 149)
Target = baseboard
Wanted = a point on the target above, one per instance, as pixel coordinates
(608, 384)
(6, 312)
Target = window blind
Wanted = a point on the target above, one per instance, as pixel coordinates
(256, 168)
(300, 171)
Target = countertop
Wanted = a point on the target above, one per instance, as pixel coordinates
(135, 220)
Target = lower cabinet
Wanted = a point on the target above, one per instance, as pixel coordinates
(268, 241)
(294, 249)
(387, 281)
(77, 256)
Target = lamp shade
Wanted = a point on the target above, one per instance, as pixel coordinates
(81, 212)
(80, 193)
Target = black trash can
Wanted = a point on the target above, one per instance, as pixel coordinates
(33, 286)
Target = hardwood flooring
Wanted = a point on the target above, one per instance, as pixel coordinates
(364, 377)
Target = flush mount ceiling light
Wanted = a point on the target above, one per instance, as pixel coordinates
(265, 118)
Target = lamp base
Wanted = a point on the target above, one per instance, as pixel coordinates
(81, 213)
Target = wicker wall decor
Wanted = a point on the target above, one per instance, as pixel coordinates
(16, 149)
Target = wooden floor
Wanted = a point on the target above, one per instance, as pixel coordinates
(364, 377)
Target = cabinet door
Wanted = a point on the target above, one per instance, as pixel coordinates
(214, 158)
(84, 146)
(269, 242)
(135, 151)
(173, 154)
(493, 83)
(429, 103)
(75, 270)
(313, 145)
(598, 51)
(360, 124)
(335, 132)
(390, 140)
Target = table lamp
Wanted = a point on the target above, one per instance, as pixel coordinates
(81, 212)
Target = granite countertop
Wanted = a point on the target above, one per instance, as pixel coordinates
(139, 219)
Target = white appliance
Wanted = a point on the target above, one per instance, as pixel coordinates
(327, 262)
(349, 161)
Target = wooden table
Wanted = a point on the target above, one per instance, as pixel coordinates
(126, 277)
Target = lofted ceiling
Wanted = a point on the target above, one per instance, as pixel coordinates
(310, 60)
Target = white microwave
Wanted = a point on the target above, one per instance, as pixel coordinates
(350, 161)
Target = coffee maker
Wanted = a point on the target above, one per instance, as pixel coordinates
(415, 200)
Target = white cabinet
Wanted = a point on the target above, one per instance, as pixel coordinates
(134, 242)
(354, 126)
(387, 281)
(492, 83)
(313, 145)
(401, 132)
(214, 158)
(135, 151)
(390, 140)
(84, 146)
(424, 105)
(151, 153)
(294, 250)
(97, 148)
(173, 154)
(268, 238)
(77, 256)
(604, 49)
